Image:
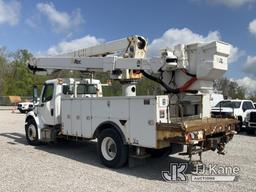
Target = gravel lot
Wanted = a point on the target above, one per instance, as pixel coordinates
(75, 167)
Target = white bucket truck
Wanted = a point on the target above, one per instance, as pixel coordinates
(131, 125)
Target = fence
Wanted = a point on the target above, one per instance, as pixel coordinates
(6, 100)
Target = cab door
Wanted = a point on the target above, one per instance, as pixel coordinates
(47, 104)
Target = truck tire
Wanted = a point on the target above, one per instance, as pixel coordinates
(239, 125)
(112, 151)
(31, 132)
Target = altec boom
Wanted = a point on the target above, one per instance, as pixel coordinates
(131, 126)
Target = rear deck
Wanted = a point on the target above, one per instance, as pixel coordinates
(176, 132)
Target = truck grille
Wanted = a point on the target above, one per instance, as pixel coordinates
(252, 124)
(253, 117)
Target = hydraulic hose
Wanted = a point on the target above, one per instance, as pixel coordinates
(168, 89)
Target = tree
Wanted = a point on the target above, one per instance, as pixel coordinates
(18, 80)
(148, 87)
(229, 88)
(252, 96)
(3, 64)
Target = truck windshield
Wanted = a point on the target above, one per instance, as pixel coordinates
(231, 104)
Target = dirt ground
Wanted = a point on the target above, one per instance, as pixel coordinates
(70, 166)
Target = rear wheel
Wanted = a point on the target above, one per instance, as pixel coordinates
(31, 132)
(112, 151)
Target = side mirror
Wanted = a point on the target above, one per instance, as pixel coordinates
(35, 94)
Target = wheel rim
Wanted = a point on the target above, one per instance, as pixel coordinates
(108, 148)
(32, 132)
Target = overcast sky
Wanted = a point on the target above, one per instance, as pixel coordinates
(52, 27)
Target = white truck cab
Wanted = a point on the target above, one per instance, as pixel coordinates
(49, 105)
(236, 108)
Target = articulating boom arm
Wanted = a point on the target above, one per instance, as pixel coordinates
(130, 47)
(186, 68)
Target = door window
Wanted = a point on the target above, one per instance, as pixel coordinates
(249, 105)
(48, 93)
(244, 107)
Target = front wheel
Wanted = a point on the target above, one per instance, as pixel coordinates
(112, 151)
(238, 127)
(31, 132)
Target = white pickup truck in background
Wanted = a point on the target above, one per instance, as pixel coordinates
(236, 108)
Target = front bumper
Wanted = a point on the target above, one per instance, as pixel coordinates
(22, 108)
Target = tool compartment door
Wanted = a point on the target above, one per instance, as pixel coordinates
(142, 122)
(76, 118)
(86, 118)
(66, 116)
